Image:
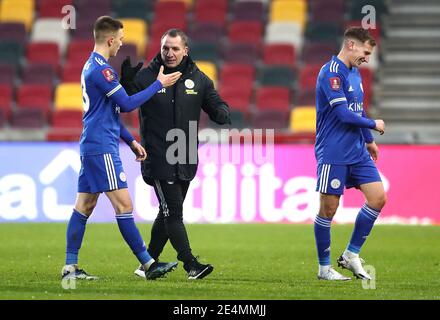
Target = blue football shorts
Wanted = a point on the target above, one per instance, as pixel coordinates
(333, 178)
(101, 173)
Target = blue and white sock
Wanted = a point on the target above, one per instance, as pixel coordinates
(362, 227)
(322, 239)
(131, 235)
(74, 236)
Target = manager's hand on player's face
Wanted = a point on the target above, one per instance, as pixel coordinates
(168, 80)
(139, 151)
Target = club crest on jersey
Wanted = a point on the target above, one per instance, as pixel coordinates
(108, 74)
(335, 83)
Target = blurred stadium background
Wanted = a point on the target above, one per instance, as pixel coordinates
(263, 57)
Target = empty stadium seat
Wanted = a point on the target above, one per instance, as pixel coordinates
(270, 119)
(209, 11)
(303, 119)
(17, 11)
(205, 51)
(79, 51)
(273, 98)
(246, 32)
(289, 11)
(67, 119)
(323, 32)
(7, 74)
(237, 75)
(319, 52)
(38, 74)
(170, 10)
(139, 9)
(35, 96)
(276, 76)
(14, 31)
(248, 11)
(240, 53)
(43, 52)
(71, 72)
(25, 118)
(6, 91)
(10, 52)
(52, 8)
(135, 32)
(209, 69)
(284, 33)
(50, 30)
(308, 76)
(279, 54)
(68, 96)
(206, 32)
(238, 98)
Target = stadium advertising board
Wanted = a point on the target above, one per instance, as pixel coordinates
(38, 184)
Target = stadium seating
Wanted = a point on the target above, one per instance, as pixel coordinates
(279, 54)
(43, 52)
(38, 73)
(6, 91)
(14, 31)
(273, 98)
(209, 69)
(49, 30)
(17, 11)
(248, 11)
(251, 49)
(135, 32)
(7, 74)
(303, 119)
(35, 96)
(68, 96)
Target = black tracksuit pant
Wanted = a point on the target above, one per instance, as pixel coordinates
(169, 221)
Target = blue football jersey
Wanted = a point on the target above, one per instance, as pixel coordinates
(101, 123)
(337, 142)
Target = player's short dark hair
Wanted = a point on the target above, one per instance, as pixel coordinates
(176, 33)
(104, 26)
(360, 34)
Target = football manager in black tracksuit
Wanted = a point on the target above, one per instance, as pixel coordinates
(173, 108)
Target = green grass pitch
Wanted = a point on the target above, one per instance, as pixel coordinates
(251, 261)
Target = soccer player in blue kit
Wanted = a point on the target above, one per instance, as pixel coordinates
(101, 168)
(345, 151)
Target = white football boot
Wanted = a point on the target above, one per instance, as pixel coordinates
(328, 273)
(351, 261)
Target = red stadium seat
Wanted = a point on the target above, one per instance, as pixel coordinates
(308, 75)
(7, 74)
(28, 118)
(273, 98)
(52, 8)
(170, 10)
(6, 99)
(238, 98)
(241, 53)
(72, 72)
(246, 32)
(279, 54)
(209, 11)
(236, 75)
(35, 96)
(67, 119)
(43, 52)
(79, 51)
(270, 119)
(38, 73)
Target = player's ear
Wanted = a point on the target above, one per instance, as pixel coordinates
(186, 50)
(110, 41)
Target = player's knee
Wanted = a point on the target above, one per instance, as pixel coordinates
(379, 201)
(123, 208)
(328, 210)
